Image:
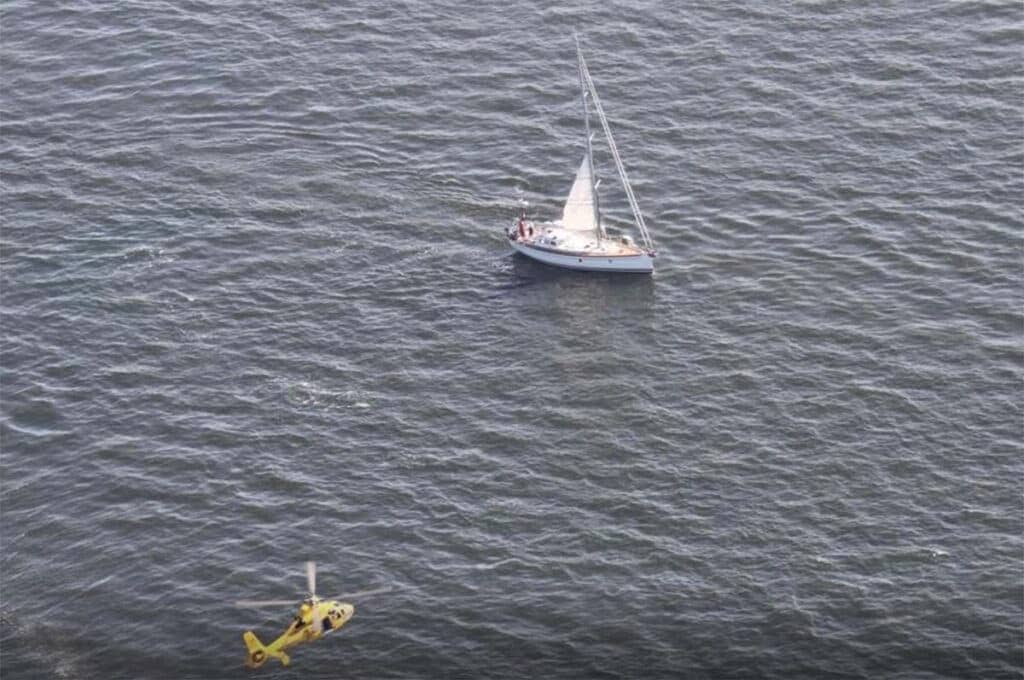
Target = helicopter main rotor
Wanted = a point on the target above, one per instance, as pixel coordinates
(313, 597)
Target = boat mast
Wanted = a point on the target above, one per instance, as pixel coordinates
(637, 215)
(590, 151)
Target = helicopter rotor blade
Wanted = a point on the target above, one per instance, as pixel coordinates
(317, 622)
(311, 578)
(264, 603)
(362, 593)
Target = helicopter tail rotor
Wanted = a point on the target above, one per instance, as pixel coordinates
(257, 652)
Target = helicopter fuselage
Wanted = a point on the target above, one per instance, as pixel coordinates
(314, 619)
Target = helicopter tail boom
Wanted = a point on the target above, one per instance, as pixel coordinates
(258, 653)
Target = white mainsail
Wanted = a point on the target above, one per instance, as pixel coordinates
(578, 214)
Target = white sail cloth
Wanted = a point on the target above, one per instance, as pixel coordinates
(578, 214)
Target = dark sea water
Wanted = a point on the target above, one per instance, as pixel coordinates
(257, 308)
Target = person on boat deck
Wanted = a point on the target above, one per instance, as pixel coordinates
(522, 227)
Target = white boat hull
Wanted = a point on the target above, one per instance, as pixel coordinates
(640, 263)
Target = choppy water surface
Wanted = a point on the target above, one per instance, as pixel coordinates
(257, 309)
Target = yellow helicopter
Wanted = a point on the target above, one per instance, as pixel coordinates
(314, 619)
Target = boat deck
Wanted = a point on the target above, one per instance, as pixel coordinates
(557, 239)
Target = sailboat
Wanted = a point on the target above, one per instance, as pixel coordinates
(579, 239)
